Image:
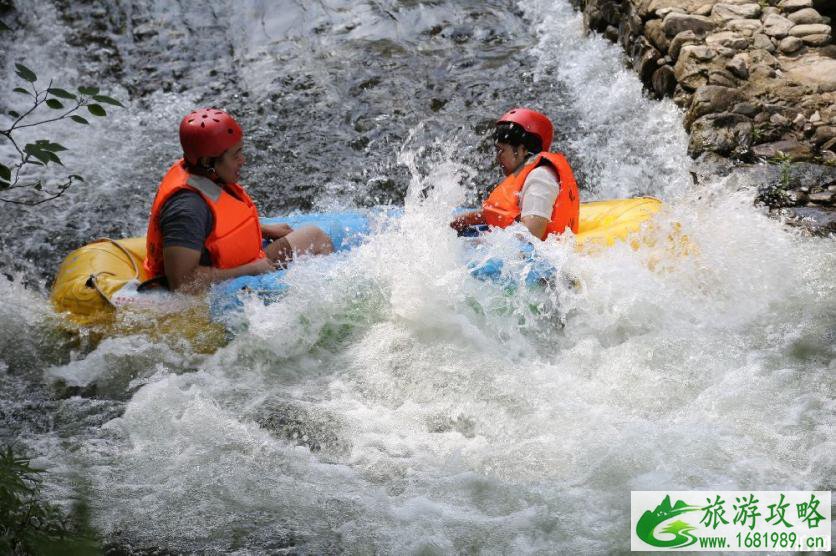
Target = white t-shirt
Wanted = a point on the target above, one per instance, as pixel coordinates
(539, 192)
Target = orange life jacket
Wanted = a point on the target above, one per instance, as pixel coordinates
(236, 234)
(502, 207)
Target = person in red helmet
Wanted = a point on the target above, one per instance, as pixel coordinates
(203, 226)
(539, 189)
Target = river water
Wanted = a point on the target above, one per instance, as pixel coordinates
(390, 403)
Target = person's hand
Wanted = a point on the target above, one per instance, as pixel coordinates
(263, 266)
(462, 221)
(275, 231)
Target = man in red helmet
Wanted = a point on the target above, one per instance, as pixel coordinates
(539, 189)
(203, 227)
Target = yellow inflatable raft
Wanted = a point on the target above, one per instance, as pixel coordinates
(103, 275)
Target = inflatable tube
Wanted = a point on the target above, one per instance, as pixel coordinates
(99, 278)
(91, 276)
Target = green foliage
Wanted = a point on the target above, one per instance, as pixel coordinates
(96, 110)
(25, 73)
(785, 162)
(29, 525)
(16, 182)
(61, 93)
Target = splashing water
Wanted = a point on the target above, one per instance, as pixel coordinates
(392, 403)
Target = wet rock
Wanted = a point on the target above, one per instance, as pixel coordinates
(788, 45)
(800, 122)
(727, 12)
(728, 39)
(682, 39)
(675, 23)
(646, 8)
(762, 42)
(629, 28)
(725, 134)
(656, 33)
(663, 81)
(704, 10)
(792, 5)
(746, 108)
(764, 58)
(722, 78)
(816, 72)
(662, 13)
(746, 26)
(790, 148)
(803, 30)
(739, 66)
(690, 70)
(777, 26)
(816, 40)
(779, 120)
(824, 134)
(822, 198)
(819, 221)
(682, 97)
(645, 62)
(711, 99)
(807, 16)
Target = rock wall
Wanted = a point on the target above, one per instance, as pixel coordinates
(756, 78)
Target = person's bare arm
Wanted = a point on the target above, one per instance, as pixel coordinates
(275, 231)
(462, 221)
(536, 225)
(185, 274)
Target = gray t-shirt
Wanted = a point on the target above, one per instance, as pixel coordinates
(186, 221)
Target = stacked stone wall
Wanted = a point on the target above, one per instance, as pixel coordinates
(756, 78)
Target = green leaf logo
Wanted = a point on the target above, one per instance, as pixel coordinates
(680, 530)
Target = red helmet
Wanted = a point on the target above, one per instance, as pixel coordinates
(208, 132)
(532, 122)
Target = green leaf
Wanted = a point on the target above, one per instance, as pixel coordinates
(5, 172)
(38, 186)
(52, 147)
(54, 157)
(55, 104)
(78, 119)
(108, 100)
(61, 93)
(36, 151)
(21, 90)
(4, 27)
(90, 91)
(25, 73)
(4, 184)
(36, 163)
(13, 114)
(76, 177)
(96, 110)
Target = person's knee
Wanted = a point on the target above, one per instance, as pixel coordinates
(324, 245)
(311, 240)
